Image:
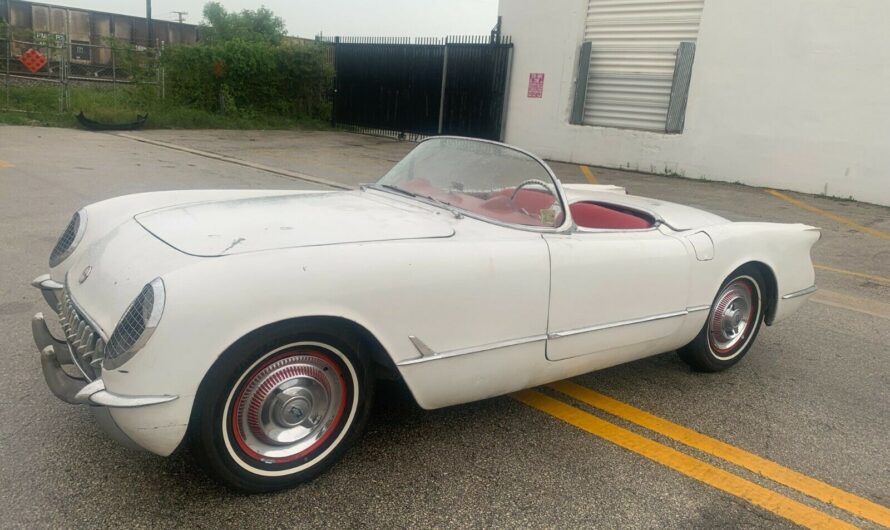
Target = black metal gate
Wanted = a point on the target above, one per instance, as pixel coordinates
(428, 87)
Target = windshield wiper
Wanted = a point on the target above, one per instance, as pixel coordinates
(433, 200)
(396, 189)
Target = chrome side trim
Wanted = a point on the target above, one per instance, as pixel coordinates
(803, 292)
(618, 324)
(427, 354)
(432, 356)
(422, 348)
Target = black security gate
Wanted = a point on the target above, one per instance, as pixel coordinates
(424, 88)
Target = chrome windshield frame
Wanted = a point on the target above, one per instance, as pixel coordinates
(568, 224)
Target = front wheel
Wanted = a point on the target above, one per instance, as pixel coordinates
(733, 323)
(277, 412)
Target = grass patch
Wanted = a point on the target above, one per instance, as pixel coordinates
(39, 106)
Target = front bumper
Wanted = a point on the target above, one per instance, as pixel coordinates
(85, 387)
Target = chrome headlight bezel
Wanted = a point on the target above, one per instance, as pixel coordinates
(69, 239)
(136, 325)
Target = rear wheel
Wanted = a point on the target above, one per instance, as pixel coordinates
(277, 412)
(733, 323)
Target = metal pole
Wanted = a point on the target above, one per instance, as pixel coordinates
(159, 72)
(8, 51)
(62, 58)
(444, 78)
(148, 21)
(503, 125)
(114, 73)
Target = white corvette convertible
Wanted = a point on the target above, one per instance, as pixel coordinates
(252, 324)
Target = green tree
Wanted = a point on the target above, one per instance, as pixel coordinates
(261, 25)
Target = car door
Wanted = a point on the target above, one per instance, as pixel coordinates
(612, 289)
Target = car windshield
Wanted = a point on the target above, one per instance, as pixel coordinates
(482, 178)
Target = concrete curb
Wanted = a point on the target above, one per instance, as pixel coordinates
(238, 161)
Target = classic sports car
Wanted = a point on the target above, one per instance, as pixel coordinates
(252, 324)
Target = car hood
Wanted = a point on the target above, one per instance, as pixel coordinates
(236, 226)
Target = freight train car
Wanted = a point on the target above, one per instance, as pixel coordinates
(83, 38)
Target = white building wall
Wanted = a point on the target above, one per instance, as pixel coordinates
(792, 94)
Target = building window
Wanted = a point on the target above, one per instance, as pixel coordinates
(639, 63)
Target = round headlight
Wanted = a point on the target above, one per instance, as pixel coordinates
(136, 326)
(69, 239)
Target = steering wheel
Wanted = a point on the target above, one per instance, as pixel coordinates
(528, 183)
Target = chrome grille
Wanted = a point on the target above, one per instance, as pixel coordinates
(65, 241)
(131, 327)
(86, 345)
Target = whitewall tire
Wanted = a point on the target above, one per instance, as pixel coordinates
(280, 407)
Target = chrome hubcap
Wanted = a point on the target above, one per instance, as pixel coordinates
(287, 407)
(732, 317)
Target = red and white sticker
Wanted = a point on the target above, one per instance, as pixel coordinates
(535, 85)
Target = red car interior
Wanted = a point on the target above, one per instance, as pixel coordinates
(526, 207)
(592, 215)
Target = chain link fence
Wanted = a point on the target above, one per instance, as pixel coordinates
(67, 64)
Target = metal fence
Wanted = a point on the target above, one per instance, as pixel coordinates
(70, 64)
(396, 87)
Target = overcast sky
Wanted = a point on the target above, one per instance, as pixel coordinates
(306, 18)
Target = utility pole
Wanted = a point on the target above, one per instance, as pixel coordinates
(181, 15)
(148, 21)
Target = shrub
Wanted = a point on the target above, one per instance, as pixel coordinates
(251, 75)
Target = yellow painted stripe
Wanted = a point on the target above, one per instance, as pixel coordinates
(788, 477)
(711, 475)
(834, 217)
(591, 178)
(872, 277)
(4, 163)
(852, 303)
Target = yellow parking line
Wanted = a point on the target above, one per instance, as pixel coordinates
(834, 217)
(591, 178)
(4, 163)
(711, 475)
(814, 488)
(852, 303)
(872, 277)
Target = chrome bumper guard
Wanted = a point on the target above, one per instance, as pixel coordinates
(54, 353)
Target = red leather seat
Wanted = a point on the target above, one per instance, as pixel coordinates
(590, 215)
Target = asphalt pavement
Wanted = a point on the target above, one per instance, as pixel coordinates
(812, 396)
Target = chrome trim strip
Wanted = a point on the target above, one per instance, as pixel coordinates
(803, 292)
(427, 354)
(620, 323)
(466, 351)
(422, 348)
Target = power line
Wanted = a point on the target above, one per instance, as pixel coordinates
(181, 15)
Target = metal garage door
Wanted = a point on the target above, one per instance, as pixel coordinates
(633, 51)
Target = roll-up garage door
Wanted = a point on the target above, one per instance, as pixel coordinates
(633, 52)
